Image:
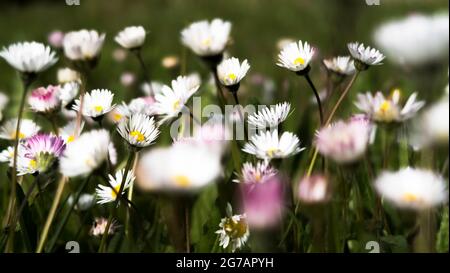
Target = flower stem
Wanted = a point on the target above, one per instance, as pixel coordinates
(116, 202)
(130, 194)
(220, 95)
(144, 68)
(51, 215)
(316, 94)
(26, 81)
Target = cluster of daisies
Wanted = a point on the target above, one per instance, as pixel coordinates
(194, 161)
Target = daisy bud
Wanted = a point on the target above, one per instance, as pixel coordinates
(131, 37)
(83, 45)
(170, 62)
(365, 56)
(45, 99)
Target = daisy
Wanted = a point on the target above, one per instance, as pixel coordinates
(172, 100)
(65, 75)
(255, 174)
(45, 99)
(99, 226)
(139, 130)
(67, 133)
(207, 38)
(96, 103)
(341, 66)
(382, 109)
(267, 145)
(344, 142)
(4, 99)
(27, 128)
(29, 57)
(296, 56)
(150, 89)
(39, 152)
(365, 56)
(83, 45)
(131, 37)
(433, 126)
(182, 168)
(7, 155)
(107, 194)
(412, 188)
(270, 117)
(314, 189)
(233, 230)
(85, 154)
(142, 105)
(85, 201)
(67, 92)
(231, 71)
(120, 113)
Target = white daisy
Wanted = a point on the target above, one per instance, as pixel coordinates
(67, 133)
(139, 130)
(45, 99)
(341, 65)
(181, 167)
(83, 45)
(85, 201)
(106, 194)
(27, 128)
(296, 56)
(151, 89)
(233, 230)
(120, 113)
(382, 109)
(433, 125)
(267, 145)
(67, 92)
(85, 154)
(29, 57)
(131, 37)
(205, 38)
(96, 103)
(142, 105)
(65, 75)
(172, 100)
(365, 56)
(7, 155)
(412, 188)
(231, 72)
(270, 117)
(261, 172)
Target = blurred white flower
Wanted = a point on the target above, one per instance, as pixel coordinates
(171, 101)
(261, 172)
(131, 37)
(270, 117)
(415, 40)
(106, 194)
(139, 130)
(142, 105)
(67, 92)
(382, 109)
(85, 154)
(65, 75)
(27, 128)
(127, 79)
(151, 90)
(29, 57)
(181, 167)
(119, 113)
(412, 188)
(296, 56)
(45, 99)
(96, 103)
(341, 65)
(68, 131)
(205, 38)
(231, 72)
(7, 155)
(365, 56)
(432, 127)
(212, 134)
(268, 145)
(4, 99)
(170, 62)
(344, 142)
(99, 227)
(233, 230)
(83, 45)
(85, 201)
(313, 189)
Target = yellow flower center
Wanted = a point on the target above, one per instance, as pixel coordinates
(257, 177)
(98, 108)
(138, 136)
(299, 60)
(70, 139)
(235, 229)
(410, 197)
(21, 135)
(232, 76)
(114, 191)
(206, 41)
(33, 164)
(182, 181)
(176, 105)
(385, 106)
(117, 117)
(271, 151)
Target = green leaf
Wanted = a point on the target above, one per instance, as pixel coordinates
(442, 236)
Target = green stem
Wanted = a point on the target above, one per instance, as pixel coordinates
(144, 68)
(26, 81)
(316, 94)
(116, 202)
